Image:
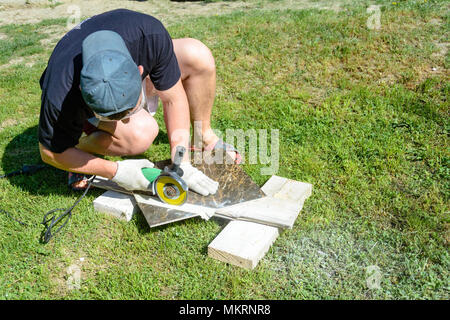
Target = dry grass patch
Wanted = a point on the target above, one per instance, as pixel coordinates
(7, 123)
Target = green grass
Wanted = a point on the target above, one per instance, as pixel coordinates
(362, 116)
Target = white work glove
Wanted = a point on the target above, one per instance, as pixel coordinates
(197, 180)
(129, 174)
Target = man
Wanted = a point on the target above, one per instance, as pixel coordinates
(104, 78)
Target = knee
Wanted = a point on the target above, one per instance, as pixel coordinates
(142, 134)
(197, 57)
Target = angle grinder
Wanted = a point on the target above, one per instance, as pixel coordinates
(167, 184)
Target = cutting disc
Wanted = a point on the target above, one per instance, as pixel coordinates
(170, 191)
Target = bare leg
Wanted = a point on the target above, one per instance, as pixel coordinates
(134, 136)
(118, 138)
(198, 75)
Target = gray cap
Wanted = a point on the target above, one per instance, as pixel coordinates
(110, 80)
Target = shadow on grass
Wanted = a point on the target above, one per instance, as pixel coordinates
(143, 227)
(23, 150)
(161, 138)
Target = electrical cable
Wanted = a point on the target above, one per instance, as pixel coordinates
(26, 169)
(11, 217)
(50, 223)
(53, 220)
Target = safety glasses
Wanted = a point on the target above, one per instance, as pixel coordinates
(124, 114)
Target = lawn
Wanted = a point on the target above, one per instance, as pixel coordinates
(363, 115)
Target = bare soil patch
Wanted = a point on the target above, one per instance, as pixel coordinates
(165, 10)
(7, 123)
(169, 12)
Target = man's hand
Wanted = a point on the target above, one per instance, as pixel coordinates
(129, 174)
(197, 180)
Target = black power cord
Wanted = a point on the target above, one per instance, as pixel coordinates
(51, 220)
(26, 169)
(11, 217)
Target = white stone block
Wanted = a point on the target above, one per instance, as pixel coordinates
(117, 204)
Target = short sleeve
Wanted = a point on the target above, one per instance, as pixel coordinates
(165, 72)
(60, 128)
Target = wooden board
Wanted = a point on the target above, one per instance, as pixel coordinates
(242, 243)
(268, 210)
(280, 208)
(287, 189)
(273, 185)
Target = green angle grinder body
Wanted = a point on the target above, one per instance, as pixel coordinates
(167, 184)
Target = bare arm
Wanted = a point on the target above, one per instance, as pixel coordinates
(176, 117)
(76, 160)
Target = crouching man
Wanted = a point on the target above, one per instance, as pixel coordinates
(100, 91)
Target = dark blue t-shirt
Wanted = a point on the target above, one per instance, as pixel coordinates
(63, 110)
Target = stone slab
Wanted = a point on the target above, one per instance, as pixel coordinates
(117, 204)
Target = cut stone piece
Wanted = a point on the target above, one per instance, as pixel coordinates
(106, 184)
(235, 186)
(158, 213)
(242, 243)
(117, 204)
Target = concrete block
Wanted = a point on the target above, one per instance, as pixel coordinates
(117, 204)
